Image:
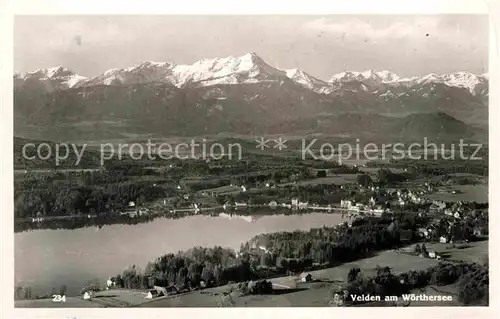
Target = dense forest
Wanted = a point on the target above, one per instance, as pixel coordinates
(294, 250)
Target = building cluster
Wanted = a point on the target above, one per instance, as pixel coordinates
(370, 207)
(403, 197)
(132, 210)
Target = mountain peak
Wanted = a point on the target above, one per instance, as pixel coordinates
(248, 68)
(387, 76)
(462, 79)
(53, 72)
(57, 77)
(150, 64)
(252, 55)
(308, 81)
(57, 71)
(293, 72)
(368, 73)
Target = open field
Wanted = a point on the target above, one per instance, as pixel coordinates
(223, 190)
(339, 179)
(477, 193)
(396, 261)
(475, 251)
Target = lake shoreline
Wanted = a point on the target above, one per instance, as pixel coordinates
(57, 257)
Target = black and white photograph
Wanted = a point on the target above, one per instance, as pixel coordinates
(327, 160)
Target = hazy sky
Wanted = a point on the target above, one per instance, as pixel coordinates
(321, 45)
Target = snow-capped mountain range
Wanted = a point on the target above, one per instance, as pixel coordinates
(248, 68)
(242, 95)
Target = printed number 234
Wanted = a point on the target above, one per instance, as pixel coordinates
(58, 298)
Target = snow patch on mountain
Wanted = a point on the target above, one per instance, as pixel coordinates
(248, 68)
(145, 72)
(376, 76)
(463, 79)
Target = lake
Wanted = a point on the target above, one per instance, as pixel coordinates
(46, 259)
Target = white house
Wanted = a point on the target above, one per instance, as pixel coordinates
(443, 240)
(243, 188)
(371, 202)
(87, 295)
(377, 211)
(305, 277)
(423, 232)
(432, 254)
(131, 204)
(456, 215)
(240, 204)
(303, 205)
(152, 294)
(295, 202)
(448, 212)
(178, 186)
(273, 204)
(354, 208)
(338, 299)
(110, 283)
(345, 203)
